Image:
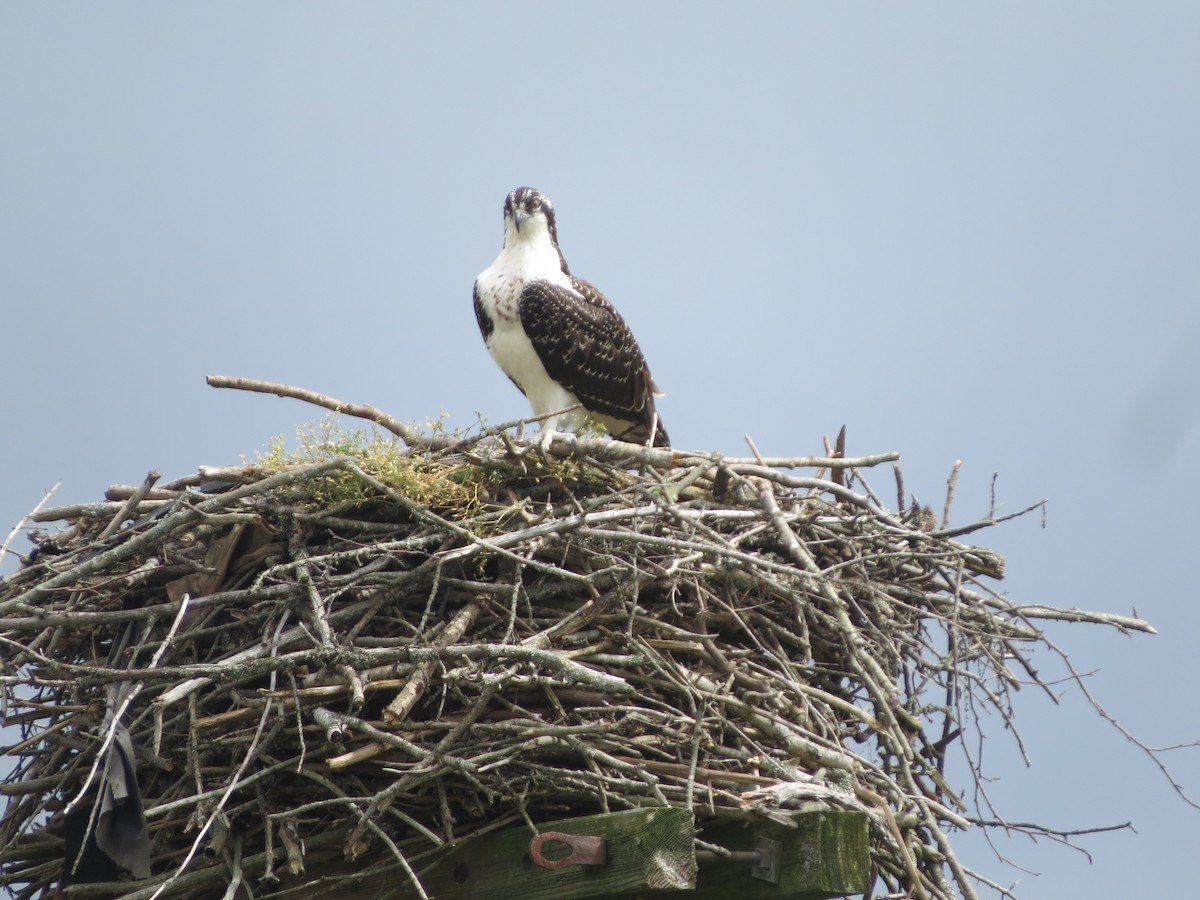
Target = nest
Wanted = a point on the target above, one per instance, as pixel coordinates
(374, 647)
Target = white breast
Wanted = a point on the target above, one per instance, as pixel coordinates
(499, 287)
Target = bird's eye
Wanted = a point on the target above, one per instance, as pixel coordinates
(535, 203)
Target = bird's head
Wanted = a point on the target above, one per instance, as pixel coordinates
(529, 220)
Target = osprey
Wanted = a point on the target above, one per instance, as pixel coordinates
(557, 337)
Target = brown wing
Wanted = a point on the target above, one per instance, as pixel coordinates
(586, 346)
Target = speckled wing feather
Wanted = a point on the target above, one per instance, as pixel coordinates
(586, 346)
(481, 318)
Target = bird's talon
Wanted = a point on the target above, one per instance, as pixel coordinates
(544, 440)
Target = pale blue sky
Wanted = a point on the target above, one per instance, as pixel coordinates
(968, 232)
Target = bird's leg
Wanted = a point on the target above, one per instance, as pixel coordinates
(550, 429)
(539, 445)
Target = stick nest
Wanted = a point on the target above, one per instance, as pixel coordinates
(372, 652)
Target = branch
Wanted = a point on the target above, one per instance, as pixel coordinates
(31, 516)
(563, 444)
(358, 410)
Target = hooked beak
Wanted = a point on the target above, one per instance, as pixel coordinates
(520, 217)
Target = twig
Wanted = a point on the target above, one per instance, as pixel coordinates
(31, 516)
(129, 505)
(951, 483)
(358, 410)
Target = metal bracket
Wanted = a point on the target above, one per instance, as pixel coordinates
(769, 851)
(765, 859)
(586, 850)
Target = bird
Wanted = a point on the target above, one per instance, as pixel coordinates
(558, 338)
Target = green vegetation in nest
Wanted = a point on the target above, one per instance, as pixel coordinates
(455, 484)
(449, 485)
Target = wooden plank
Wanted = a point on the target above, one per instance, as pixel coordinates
(826, 855)
(647, 849)
(650, 854)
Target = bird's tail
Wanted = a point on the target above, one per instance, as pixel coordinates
(639, 433)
